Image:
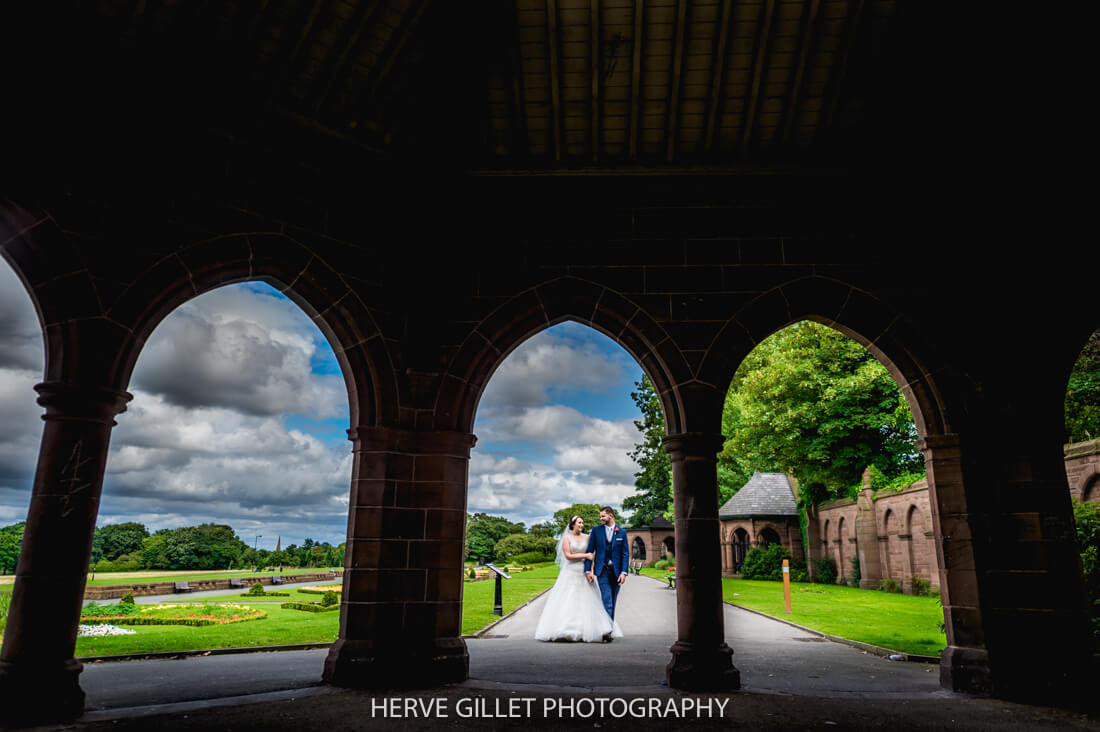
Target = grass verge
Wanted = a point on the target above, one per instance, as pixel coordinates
(903, 623)
(478, 597)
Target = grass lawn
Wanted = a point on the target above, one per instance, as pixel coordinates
(899, 622)
(280, 627)
(478, 597)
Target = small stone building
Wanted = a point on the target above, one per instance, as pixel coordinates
(649, 544)
(763, 512)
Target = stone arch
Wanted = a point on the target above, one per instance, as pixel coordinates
(841, 535)
(768, 536)
(121, 322)
(870, 321)
(1090, 490)
(638, 549)
(545, 305)
(889, 533)
(914, 527)
(669, 545)
(740, 548)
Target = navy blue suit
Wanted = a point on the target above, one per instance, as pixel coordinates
(611, 559)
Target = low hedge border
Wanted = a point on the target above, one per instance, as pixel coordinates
(320, 590)
(309, 607)
(265, 594)
(146, 620)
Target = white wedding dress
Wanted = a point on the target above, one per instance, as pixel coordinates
(574, 610)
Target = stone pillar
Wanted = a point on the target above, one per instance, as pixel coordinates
(36, 662)
(701, 660)
(964, 664)
(401, 610)
(727, 557)
(870, 565)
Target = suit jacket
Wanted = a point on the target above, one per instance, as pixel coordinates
(618, 551)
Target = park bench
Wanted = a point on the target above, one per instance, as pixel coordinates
(183, 587)
(234, 582)
(636, 567)
(276, 580)
(671, 579)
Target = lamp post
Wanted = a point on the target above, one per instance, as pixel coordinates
(256, 558)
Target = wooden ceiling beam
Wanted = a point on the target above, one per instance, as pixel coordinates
(398, 42)
(636, 76)
(521, 142)
(349, 41)
(760, 61)
(555, 75)
(594, 26)
(810, 39)
(840, 67)
(716, 101)
(673, 121)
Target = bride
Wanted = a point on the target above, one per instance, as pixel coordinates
(574, 610)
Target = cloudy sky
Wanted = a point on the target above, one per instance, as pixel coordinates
(239, 417)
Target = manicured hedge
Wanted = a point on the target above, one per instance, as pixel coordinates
(309, 607)
(265, 594)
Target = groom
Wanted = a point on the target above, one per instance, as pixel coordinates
(611, 559)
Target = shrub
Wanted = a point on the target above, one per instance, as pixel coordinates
(1086, 517)
(889, 585)
(472, 573)
(661, 564)
(765, 563)
(532, 558)
(921, 586)
(799, 574)
(856, 574)
(256, 589)
(330, 598)
(125, 563)
(127, 599)
(826, 571)
(309, 607)
(513, 545)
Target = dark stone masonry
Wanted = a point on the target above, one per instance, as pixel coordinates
(435, 182)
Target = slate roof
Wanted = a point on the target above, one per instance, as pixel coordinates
(766, 494)
(658, 522)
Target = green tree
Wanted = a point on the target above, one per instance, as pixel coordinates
(653, 481)
(811, 401)
(514, 544)
(545, 528)
(590, 512)
(11, 538)
(1086, 517)
(207, 546)
(484, 531)
(114, 540)
(1083, 394)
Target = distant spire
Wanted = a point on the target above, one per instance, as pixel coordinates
(279, 544)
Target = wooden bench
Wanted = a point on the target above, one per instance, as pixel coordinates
(671, 579)
(183, 587)
(636, 567)
(234, 582)
(276, 580)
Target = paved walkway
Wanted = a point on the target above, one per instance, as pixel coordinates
(789, 679)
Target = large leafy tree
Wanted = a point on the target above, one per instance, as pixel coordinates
(807, 400)
(207, 546)
(1083, 394)
(11, 537)
(590, 512)
(484, 531)
(811, 401)
(653, 481)
(114, 540)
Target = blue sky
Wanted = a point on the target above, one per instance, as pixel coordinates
(240, 415)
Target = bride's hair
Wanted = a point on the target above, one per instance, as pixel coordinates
(573, 521)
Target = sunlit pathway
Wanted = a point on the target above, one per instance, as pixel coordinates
(771, 655)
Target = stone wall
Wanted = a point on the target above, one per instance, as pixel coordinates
(111, 592)
(735, 544)
(902, 525)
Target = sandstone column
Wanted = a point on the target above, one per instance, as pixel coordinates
(401, 612)
(701, 660)
(37, 661)
(870, 565)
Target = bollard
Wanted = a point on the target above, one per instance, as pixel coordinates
(787, 585)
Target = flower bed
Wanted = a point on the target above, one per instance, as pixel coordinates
(265, 594)
(321, 589)
(98, 631)
(193, 615)
(310, 607)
